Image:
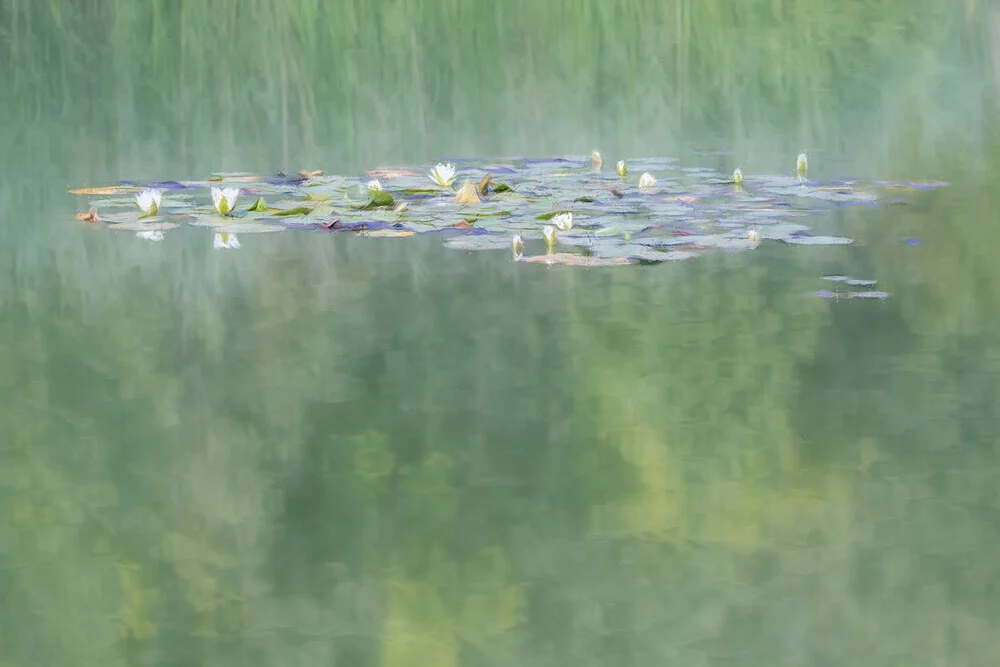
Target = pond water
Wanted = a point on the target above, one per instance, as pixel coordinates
(326, 447)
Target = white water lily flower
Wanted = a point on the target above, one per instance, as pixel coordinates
(148, 201)
(596, 159)
(517, 246)
(647, 180)
(620, 168)
(443, 174)
(802, 163)
(374, 184)
(150, 235)
(224, 199)
(549, 234)
(738, 176)
(225, 241)
(753, 235)
(563, 221)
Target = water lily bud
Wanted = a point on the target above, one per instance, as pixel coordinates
(517, 246)
(620, 168)
(549, 234)
(801, 164)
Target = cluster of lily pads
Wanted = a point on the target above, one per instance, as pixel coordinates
(566, 210)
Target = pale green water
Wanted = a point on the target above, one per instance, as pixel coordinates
(332, 450)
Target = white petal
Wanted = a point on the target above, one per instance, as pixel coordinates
(549, 234)
(147, 200)
(150, 235)
(647, 180)
(564, 221)
(225, 241)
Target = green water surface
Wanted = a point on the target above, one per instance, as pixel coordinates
(326, 449)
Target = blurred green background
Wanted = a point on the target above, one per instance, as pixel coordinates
(332, 450)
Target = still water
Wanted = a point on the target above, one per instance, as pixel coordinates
(325, 449)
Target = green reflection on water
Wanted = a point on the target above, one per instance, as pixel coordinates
(332, 450)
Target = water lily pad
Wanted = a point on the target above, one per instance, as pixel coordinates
(854, 282)
(386, 233)
(693, 209)
(818, 240)
(478, 242)
(298, 210)
(569, 259)
(246, 228)
(142, 226)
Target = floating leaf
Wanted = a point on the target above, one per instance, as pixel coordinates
(817, 240)
(142, 225)
(854, 282)
(467, 194)
(484, 184)
(379, 198)
(387, 233)
(478, 242)
(89, 216)
(501, 187)
(105, 190)
(569, 259)
(298, 210)
(551, 214)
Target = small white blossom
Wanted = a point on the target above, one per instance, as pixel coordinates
(443, 174)
(738, 176)
(224, 199)
(148, 201)
(753, 235)
(647, 180)
(596, 159)
(563, 221)
(374, 184)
